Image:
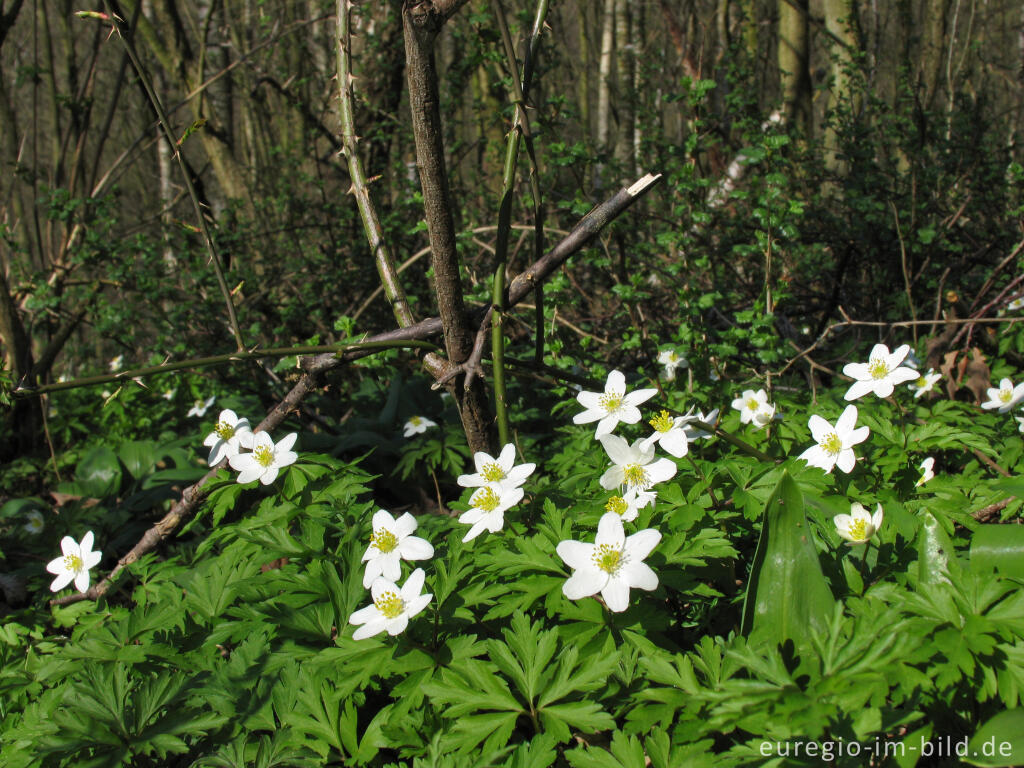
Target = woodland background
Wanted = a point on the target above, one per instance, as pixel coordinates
(823, 162)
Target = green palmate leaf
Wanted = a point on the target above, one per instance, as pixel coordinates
(999, 742)
(624, 752)
(787, 595)
(1000, 547)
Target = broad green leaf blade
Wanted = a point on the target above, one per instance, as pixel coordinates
(99, 473)
(787, 595)
(999, 742)
(933, 550)
(139, 457)
(1001, 547)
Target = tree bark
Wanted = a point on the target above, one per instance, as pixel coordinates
(793, 60)
(421, 22)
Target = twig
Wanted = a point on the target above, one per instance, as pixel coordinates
(520, 128)
(371, 223)
(990, 512)
(903, 264)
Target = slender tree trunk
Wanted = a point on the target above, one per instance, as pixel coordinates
(625, 60)
(421, 24)
(793, 58)
(604, 111)
(841, 23)
(932, 59)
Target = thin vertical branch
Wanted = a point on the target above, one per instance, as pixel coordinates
(520, 130)
(371, 223)
(124, 34)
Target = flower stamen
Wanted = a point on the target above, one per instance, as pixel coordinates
(390, 605)
(636, 476)
(610, 401)
(832, 444)
(663, 422)
(878, 368)
(224, 430)
(607, 558)
(263, 455)
(486, 499)
(616, 504)
(384, 540)
(858, 529)
(492, 473)
(72, 563)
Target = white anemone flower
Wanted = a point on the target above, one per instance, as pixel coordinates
(489, 504)
(1004, 397)
(671, 360)
(117, 364)
(754, 408)
(34, 523)
(835, 444)
(670, 433)
(927, 473)
(74, 564)
(417, 424)
(392, 607)
(695, 433)
(1016, 304)
(628, 505)
(228, 438)
(880, 374)
(859, 526)
(612, 565)
(266, 459)
(499, 470)
(633, 466)
(1020, 422)
(390, 543)
(169, 394)
(926, 383)
(613, 405)
(201, 407)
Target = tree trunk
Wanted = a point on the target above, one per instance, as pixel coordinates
(841, 23)
(793, 58)
(421, 23)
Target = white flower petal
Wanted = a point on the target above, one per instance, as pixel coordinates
(584, 583)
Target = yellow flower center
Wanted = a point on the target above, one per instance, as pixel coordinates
(832, 444)
(384, 540)
(72, 563)
(224, 430)
(752, 404)
(616, 504)
(663, 422)
(636, 475)
(492, 473)
(858, 529)
(264, 456)
(921, 383)
(390, 605)
(607, 558)
(610, 401)
(878, 368)
(1005, 395)
(415, 421)
(486, 499)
